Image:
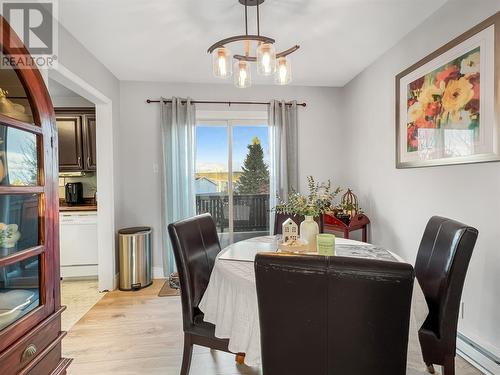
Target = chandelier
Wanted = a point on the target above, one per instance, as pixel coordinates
(268, 61)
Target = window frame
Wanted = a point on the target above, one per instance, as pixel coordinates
(229, 120)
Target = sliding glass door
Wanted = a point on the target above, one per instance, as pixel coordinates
(232, 176)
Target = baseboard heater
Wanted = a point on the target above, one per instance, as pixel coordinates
(479, 357)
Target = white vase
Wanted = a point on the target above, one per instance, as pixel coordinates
(309, 229)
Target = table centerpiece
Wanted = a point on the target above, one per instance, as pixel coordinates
(318, 201)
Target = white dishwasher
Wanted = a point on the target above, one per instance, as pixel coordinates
(78, 243)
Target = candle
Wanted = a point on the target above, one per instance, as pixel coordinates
(325, 244)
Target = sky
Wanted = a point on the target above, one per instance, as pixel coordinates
(212, 146)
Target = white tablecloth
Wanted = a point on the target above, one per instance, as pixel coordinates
(230, 301)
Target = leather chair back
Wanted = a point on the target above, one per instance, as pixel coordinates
(195, 244)
(441, 266)
(279, 219)
(333, 315)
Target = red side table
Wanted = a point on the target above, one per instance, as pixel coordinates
(359, 221)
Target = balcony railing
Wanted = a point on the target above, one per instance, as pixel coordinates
(250, 211)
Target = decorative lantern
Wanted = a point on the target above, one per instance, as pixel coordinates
(350, 202)
(290, 230)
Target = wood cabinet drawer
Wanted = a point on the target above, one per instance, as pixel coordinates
(51, 363)
(28, 348)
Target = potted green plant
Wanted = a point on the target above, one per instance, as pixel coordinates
(318, 201)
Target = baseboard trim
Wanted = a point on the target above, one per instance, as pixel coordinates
(116, 281)
(86, 270)
(158, 273)
(477, 356)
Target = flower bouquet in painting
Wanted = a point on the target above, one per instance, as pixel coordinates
(446, 98)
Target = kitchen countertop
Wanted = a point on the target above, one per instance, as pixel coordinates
(63, 207)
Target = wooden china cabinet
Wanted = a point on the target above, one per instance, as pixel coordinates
(30, 306)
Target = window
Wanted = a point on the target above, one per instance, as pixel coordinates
(232, 176)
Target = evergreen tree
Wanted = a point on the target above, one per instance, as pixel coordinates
(255, 176)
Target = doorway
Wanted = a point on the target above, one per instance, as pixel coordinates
(106, 254)
(232, 175)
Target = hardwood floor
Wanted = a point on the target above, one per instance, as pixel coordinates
(141, 333)
(79, 296)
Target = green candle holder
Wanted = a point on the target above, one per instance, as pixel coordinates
(325, 244)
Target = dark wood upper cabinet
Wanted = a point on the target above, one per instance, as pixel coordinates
(70, 143)
(89, 142)
(77, 139)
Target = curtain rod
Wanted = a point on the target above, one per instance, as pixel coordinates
(219, 102)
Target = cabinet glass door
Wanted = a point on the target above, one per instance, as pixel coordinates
(18, 157)
(13, 99)
(19, 290)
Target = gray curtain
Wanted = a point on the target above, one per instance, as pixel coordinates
(178, 154)
(283, 144)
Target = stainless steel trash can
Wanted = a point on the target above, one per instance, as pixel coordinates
(135, 258)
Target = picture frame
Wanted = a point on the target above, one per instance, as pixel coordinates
(448, 103)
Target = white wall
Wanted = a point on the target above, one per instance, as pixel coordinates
(82, 73)
(77, 59)
(139, 140)
(400, 202)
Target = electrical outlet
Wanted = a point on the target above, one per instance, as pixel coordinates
(155, 168)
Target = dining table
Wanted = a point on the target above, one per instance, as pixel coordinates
(230, 300)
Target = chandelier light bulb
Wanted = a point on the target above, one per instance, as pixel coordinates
(242, 77)
(266, 59)
(283, 75)
(222, 67)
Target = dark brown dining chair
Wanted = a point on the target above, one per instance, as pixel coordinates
(333, 315)
(196, 244)
(279, 219)
(442, 261)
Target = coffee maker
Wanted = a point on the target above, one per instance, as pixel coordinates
(74, 193)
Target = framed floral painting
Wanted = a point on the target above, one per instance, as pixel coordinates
(448, 104)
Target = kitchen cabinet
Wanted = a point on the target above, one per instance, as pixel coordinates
(89, 141)
(69, 129)
(77, 139)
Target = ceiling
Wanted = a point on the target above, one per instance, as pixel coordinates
(166, 40)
